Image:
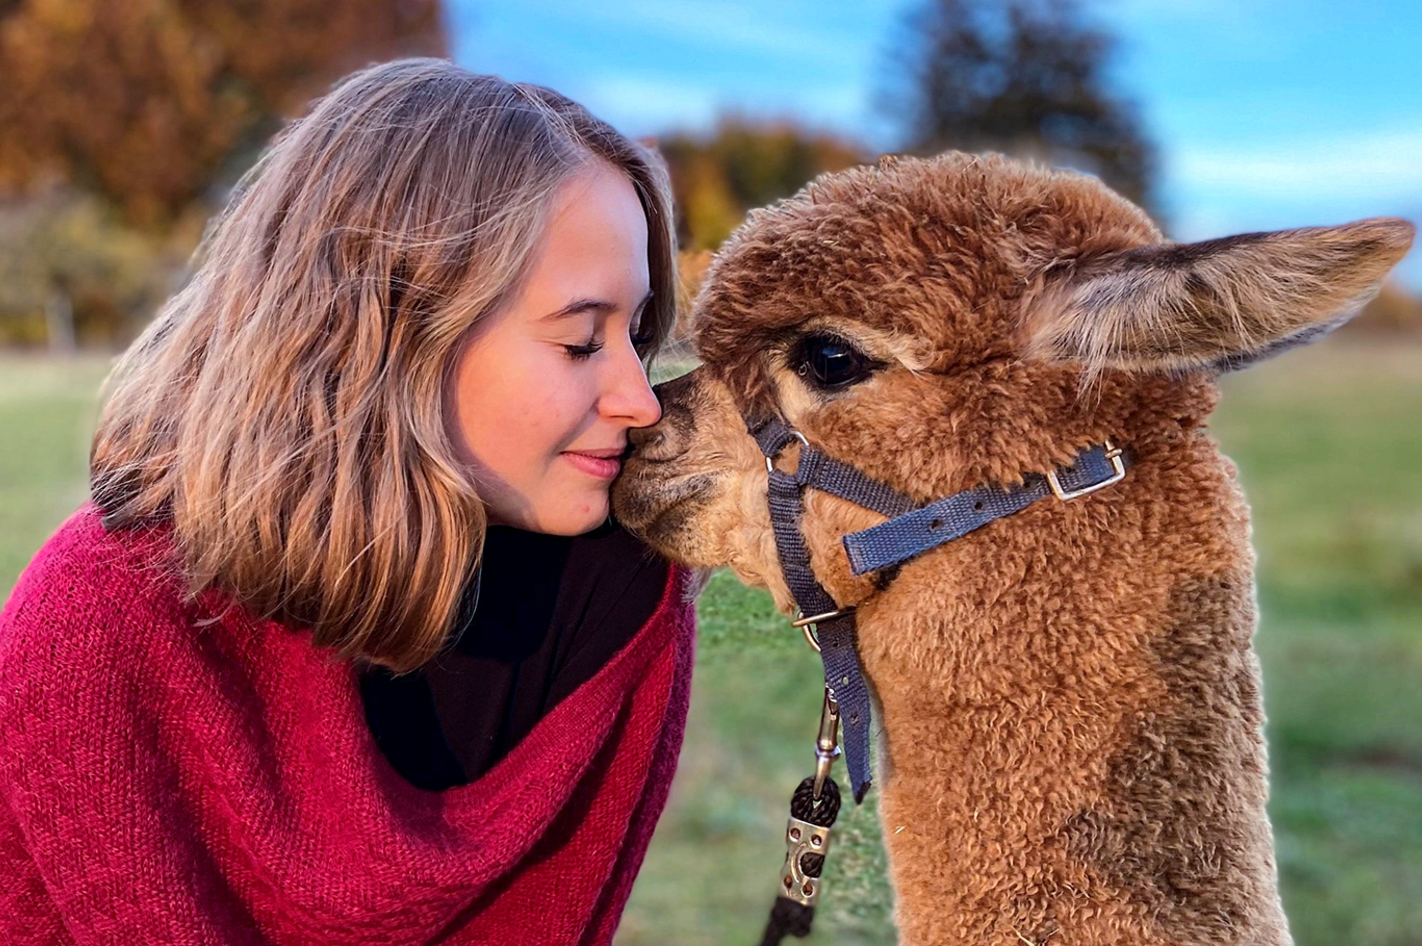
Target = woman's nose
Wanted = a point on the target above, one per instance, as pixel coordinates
(630, 394)
(671, 436)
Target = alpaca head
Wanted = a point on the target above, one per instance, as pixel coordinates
(949, 322)
(1069, 704)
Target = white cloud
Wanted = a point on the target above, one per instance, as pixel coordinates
(645, 105)
(1384, 164)
(1216, 191)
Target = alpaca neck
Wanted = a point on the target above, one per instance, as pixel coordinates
(1113, 803)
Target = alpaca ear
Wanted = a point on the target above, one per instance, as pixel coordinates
(1220, 304)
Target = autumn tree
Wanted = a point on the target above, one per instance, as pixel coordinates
(1024, 77)
(144, 101)
(73, 273)
(742, 164)
(119, 117)
(1393, 310)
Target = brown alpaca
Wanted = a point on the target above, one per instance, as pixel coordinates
(1067, 702)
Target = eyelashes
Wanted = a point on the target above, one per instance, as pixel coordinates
(583, 352)
(586, 350)
(642, 341)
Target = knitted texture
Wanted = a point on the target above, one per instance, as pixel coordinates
(173, 774)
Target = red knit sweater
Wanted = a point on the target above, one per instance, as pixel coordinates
(166, 780)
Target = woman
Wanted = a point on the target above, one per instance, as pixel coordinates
(256, 691)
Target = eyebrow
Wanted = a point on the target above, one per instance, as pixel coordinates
(579, 306)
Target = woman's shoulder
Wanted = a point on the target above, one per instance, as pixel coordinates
(87, 595)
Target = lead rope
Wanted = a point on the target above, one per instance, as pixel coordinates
(908, 531)
(813, 810)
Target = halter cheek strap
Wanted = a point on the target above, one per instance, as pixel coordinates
(909, 531)
(838, 644)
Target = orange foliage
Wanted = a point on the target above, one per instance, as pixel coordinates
(144, 100)
(1393, 309)
(740, 165)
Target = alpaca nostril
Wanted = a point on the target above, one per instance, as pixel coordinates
(670, 437)
(640, 437)
(665, 440)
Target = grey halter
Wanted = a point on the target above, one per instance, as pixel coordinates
(909, 531)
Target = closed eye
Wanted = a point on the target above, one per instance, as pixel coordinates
(583, 352)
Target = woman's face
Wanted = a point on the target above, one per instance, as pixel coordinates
(546, 390)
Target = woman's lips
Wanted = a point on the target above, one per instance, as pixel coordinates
(602, 467)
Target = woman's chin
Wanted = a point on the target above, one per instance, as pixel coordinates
(572, 513)
(585, 517)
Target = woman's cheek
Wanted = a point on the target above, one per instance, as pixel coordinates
(560, 403)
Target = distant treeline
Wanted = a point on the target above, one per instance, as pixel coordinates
(123, 125)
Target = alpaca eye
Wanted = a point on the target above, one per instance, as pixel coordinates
(830, 362)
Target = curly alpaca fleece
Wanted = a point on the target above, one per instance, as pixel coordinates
(1072, 726)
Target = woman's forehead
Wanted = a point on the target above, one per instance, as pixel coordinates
(592, 253)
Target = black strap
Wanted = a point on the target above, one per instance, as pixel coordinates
(824, 472)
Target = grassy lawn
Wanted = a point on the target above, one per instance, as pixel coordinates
(1329, 451)
(47, 414)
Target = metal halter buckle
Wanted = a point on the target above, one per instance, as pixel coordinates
(827, 743)
(807, 624)
(1118, 467)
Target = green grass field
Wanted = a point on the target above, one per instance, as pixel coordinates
(1328, 444)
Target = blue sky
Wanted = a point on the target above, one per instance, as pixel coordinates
(1268, 113)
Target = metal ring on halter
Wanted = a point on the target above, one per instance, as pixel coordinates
(770, 461)
(811, 637)
(802, 621)
(806, 623)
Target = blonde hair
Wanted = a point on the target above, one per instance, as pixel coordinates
(285, 412)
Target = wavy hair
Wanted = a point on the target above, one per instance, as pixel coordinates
(285, 412)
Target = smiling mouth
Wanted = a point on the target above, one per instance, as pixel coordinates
(602, 467)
